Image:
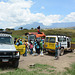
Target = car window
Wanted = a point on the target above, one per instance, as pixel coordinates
(64, 39)
(6, 40)
(46, 40)
(60, 39)
(52, 40)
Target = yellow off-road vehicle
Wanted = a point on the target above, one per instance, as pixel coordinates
(20, 48)
(64, 43)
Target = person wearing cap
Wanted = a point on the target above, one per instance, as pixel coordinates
(57, 51)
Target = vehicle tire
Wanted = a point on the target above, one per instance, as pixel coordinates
(49, 52)
(72, 50)
(62, 52)
(15, 64)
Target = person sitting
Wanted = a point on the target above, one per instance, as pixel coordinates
(38, 29)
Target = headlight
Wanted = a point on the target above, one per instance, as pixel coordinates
(17, 53)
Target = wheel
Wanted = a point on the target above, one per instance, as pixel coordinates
(49, 52)
(62, 52)
(72, 50)
(15, 64)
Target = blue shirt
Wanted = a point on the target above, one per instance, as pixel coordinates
(37, 46)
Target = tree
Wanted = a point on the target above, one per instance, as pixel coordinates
(32, 28)
(8, 29)
(21, 28)
(1, 29)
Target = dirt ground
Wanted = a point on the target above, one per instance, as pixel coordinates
(49, 59)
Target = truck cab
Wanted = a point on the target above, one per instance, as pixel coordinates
(8, 52)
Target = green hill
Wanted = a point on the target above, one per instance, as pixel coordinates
(67, 32)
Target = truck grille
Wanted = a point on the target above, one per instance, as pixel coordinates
(6, 53)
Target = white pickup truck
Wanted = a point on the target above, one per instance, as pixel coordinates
(8, 52)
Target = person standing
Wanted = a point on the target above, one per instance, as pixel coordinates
(17, 43)
(20, 41)
(31, 48)
(25, 43)
(41, 45)
(57, 51)
(15, 40)
(38, 47)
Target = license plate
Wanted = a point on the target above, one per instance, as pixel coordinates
(5, 60)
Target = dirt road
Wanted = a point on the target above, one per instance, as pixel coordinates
(64, 61)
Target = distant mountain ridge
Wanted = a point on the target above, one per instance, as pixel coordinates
(54, 25)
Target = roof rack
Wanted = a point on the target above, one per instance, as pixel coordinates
(3, 32)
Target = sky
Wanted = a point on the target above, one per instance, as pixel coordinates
(21, 12)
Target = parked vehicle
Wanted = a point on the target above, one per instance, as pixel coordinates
(21, 48)
(64, 43)
(35, 36)
(8, 52)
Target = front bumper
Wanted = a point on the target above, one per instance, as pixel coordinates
(10, 56)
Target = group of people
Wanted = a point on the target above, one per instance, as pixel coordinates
(31, 46)
(36, 45)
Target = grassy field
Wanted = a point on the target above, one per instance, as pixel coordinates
(41, 69)
(67, 32)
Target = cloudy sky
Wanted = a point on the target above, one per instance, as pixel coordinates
(21, 12)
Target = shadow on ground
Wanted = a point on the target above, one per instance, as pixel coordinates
(6, 66)
(53, 54)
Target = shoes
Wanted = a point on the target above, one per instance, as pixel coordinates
(56, 58)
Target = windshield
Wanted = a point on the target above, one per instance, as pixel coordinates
(6, 40)
(31, 37)
(38, 38)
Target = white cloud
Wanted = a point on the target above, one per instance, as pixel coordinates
(50, 19)
(17, 12)
(69, 18)
(42, 7)
(14, 12)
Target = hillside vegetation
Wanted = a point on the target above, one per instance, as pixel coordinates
(67, 32)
